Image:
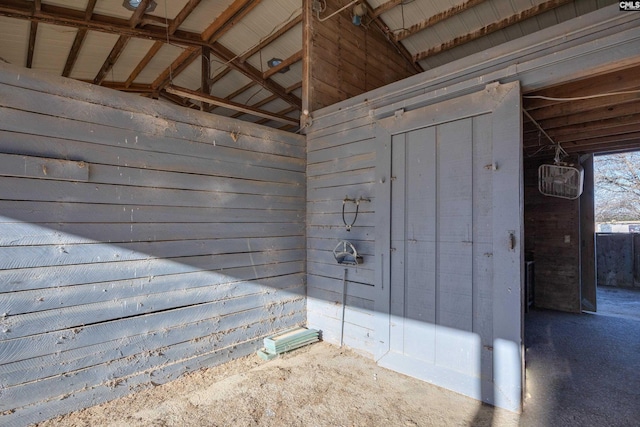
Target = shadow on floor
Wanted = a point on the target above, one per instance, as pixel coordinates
(584, 369)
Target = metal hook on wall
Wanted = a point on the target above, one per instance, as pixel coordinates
(357, 203)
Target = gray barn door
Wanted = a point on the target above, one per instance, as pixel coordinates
(454, 295)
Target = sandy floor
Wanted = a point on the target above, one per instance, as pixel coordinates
(319, 385)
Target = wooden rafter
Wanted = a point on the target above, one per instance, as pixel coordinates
(78, 41)
(182, 15)
(249, 71)
(33, 31)
(219, 76)
(491, 28)
(134, 88)
(178, 100)
(258, 104)
(296, 57)
(185, 59)
(196, 96)
(155, 48)
(108, 64)
(138, 13)
(293, 87)
(240, 91)
(71, 18)
(384, 7)
(227, 19)
(289, 25)
(438, 17)
(281, 113)
(143, 63)
(73, 53)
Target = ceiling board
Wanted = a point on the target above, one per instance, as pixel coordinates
(52, 45)
(94, 51)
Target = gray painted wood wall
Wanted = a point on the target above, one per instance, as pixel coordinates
(138, 241)
(341, 151)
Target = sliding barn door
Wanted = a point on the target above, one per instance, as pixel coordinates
(454, 222)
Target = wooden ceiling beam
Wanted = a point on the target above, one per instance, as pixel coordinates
(227, 19)
(138, 13)
(196, 96)
(249, 71)
(384, 7)
(434, 19)
(296, 57)
(108, 64)
(56, 15)
(282, 113)
(491, 28)
(72, 18)
(179, 19)
(258, 104)
(33, 32)
(185, 59)
(178, 100)
(73, 53)
(240, 91)
(618, 131)
(182, 15)
(78, 41)
(606, 148)
(611, 112)
(582, 106)
(135, 88)
(144, 62)
(603, 141)
(293, 87)
(596, 127)
(288, 26)
(618, 81)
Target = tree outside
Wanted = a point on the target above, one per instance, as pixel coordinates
(617, 187)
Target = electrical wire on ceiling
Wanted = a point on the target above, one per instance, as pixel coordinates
(321, 5)
(581, 98)
(559, 150)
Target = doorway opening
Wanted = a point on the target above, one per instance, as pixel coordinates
(617, 217)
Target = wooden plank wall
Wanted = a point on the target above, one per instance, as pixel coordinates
(552, 241)
(347, 60)
(182, 248)
(341, 156)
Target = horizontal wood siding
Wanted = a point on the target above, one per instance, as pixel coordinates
(181, 248)
(340, 165)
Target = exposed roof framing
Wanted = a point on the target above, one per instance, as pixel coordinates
(578, 117)
(138, 26)
(220, 48)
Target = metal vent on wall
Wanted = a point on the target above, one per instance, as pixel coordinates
(561, 180)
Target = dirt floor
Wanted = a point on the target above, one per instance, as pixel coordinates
(319, 385)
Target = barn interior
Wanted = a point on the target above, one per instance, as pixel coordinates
(177, 176)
